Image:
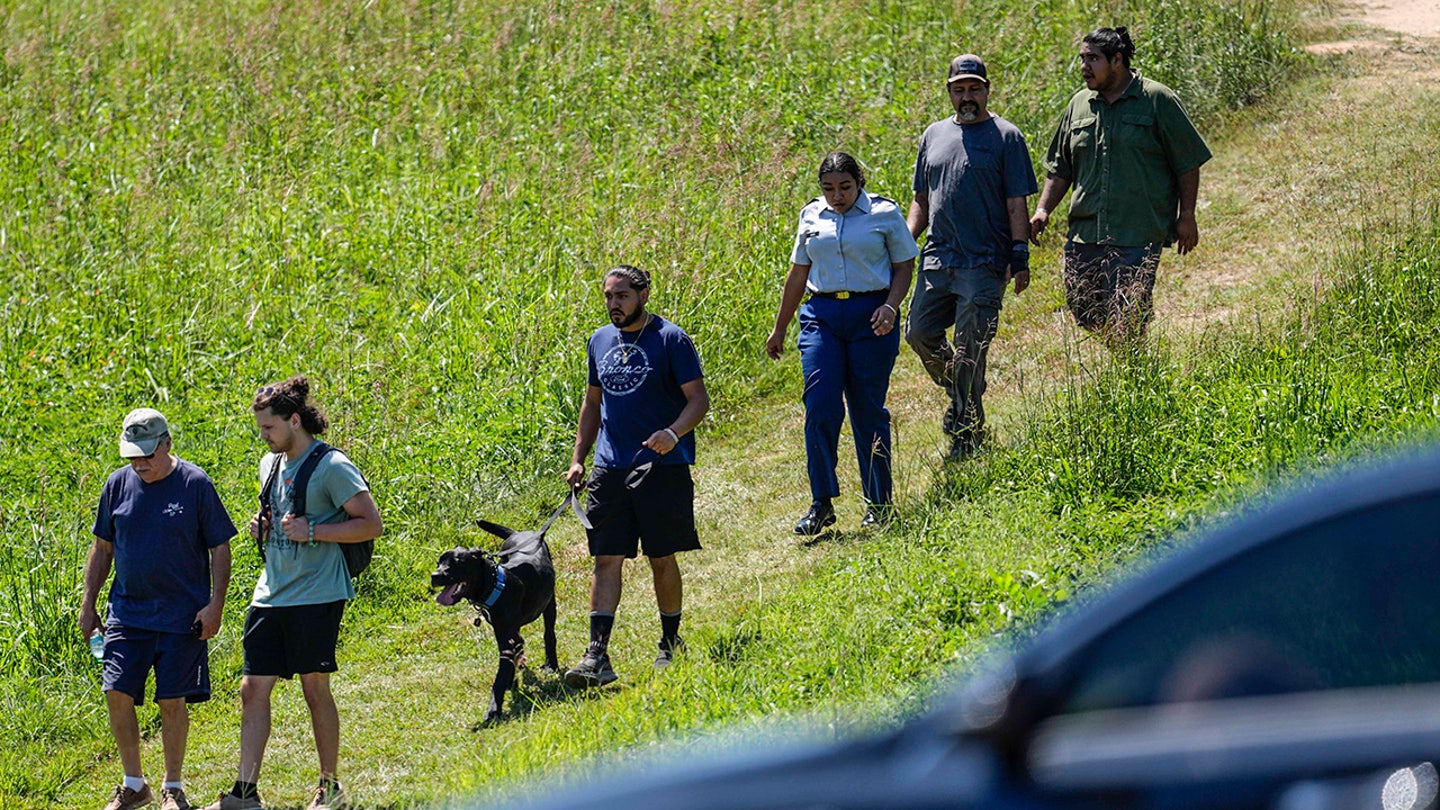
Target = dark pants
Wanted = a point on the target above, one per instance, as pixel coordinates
(846, 363)
(1108, 287)
(969, 300)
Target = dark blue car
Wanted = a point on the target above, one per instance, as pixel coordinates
(1289, 660)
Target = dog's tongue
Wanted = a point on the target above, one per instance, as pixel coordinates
(450, 595)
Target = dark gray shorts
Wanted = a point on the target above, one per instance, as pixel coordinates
(290, 641)
(1110, 286)
(659, 512)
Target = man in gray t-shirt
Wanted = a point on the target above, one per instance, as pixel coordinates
(972, 175)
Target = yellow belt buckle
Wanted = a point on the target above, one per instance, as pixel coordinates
(842, 295)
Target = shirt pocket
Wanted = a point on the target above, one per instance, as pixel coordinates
(1082, 135)
(1137, 131)
(821, 241)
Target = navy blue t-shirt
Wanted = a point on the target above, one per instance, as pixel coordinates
(969, 171)
(640, 377)
(163, 533)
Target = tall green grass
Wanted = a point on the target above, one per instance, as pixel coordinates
(413, 203)
(1140, 450)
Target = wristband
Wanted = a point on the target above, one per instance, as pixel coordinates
(1019, 257)
(310, 534)
(892, 309)
(673, 435)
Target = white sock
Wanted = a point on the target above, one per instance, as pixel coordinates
(136, 783)
(173, 786)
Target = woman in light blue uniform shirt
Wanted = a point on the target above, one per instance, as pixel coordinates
(854, 256)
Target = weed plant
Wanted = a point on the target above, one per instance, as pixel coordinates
(413, 203)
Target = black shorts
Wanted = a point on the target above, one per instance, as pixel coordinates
(290, 641)
(658, 513)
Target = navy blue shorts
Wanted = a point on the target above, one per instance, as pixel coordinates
(181, 663)
(658, 512)
(290, 641)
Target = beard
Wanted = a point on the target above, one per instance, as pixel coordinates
(968, 112)
(620, 319)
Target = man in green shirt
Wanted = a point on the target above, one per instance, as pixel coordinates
(1134, 158)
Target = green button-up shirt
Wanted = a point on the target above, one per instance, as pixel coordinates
(1124, 159)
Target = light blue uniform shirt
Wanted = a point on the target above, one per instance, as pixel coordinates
(852, 252)
(297, 573)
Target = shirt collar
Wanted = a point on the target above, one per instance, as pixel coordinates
(862, 203)
(1133, 91)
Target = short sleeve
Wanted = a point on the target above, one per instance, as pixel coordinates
(1019, 171)
(216, 527)
(898, 241)
(594, 371)
(921, 182)
(798, 254)
(344, 480)
(684, 359)
(104, 524)
(1185, 149)
(1057, 157)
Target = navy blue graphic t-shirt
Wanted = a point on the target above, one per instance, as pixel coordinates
(639, 375)
(163, 533)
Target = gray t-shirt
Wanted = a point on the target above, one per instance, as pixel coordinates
(297, 573)
(969, 171)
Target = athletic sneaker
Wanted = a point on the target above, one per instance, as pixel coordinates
(668, 649)
(593, 670)
(126, 799)
(173, 799)
(229, 801)
(329, 796)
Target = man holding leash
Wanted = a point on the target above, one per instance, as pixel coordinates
(161, 524)
(646, 394)
(293, 623)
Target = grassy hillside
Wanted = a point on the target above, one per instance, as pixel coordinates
(413, 204)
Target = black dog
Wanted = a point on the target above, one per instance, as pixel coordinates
(511, 589)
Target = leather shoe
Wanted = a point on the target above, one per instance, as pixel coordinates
(821, 514)
(877, 516)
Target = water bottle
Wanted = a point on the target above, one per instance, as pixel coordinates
(97, 645)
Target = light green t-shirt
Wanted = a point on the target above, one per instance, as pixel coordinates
(298, 573)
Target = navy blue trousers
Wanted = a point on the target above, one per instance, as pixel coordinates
(846, 363)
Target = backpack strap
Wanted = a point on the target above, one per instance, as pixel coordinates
(265, 503)
(302, 477)
(297, 490)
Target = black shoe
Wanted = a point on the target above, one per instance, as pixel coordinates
(952, 418)
(964, 444)
(877, 516)
(593, 670)
(821, 514)
(669, 648)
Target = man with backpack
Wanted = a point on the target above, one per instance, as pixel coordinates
(314, 503)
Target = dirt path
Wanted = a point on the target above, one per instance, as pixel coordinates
(1416, 21)
(1413, 18)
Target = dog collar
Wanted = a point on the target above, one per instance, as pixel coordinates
(499, 587)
